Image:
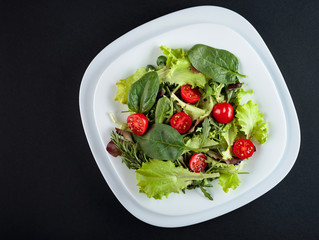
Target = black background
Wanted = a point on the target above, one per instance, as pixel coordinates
(50, 185)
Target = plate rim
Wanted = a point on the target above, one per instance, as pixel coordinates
(181, 18)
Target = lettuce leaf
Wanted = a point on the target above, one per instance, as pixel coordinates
(158, 178)
(205, 106)
(173, 55)
(241, 94)
(230, 133)
(228, 174)
(252, 122)
(228, 181)
(124, 85)
(179, 69)
(227, 154)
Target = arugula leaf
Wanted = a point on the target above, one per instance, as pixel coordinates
(143, 93)
(164, 110)
(124, 85)
(189, 109)
(205, 132)
(160, 178)
(204, 108)
(206, 194)
(216, 91)
(196, 142)
(220, 65)
(252, 122)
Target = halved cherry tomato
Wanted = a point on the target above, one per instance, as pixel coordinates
(243, 148)
(189, 94)
(197, 162)
(181, 122)
(138, 123)
(223, 112)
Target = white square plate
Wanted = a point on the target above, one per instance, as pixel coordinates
(219, 28)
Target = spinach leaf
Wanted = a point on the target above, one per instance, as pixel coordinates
(220, 65)
(164, 110)
(143, 93)
(161, 142)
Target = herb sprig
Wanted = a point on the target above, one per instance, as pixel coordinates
(131, 156)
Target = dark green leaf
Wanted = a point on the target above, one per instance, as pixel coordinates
(143, 93)
(220, 65)
(206, 194)
(161, 142)
(164, 110)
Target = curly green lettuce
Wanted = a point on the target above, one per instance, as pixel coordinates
(252, 122)
(178, 69)
(158, 178)
(228, 178)
(124, 85)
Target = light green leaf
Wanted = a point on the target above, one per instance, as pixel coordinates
(205, 106)
(121, 125)
(179, 72)
(205, 133)
(216, 91)
(230, 133)
(228, 181)
(124, 85)
(196, 142)
(228, 174)
(223, 167)
(252, 122)
(158, 178)
(173, 55)
(241, 95)
(227, 154)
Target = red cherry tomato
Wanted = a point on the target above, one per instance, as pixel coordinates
(181, 122)
(189, 94)
(138, 123)
(223, 112)
(243, 148)
(197, 162)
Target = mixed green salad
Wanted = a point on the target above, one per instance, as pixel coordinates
(188, 122)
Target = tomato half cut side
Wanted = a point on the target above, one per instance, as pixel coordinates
(181, 122)
(138, 123)
(243, 148)
(189, 94)
(223, 112)
(197, 163)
